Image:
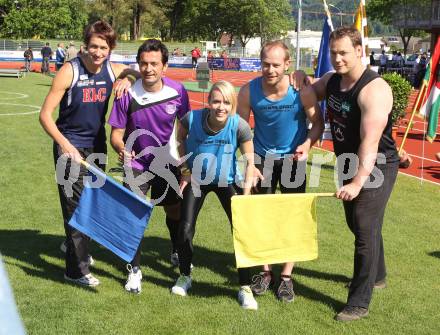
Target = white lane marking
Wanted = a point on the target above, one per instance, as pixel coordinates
(23, 113)
(17, 95)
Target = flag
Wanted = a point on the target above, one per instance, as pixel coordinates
(112, 215)
(431, 95)
(274, 228)
(360, 24)
(324, 64)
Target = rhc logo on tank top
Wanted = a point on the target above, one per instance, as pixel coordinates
(94, 95)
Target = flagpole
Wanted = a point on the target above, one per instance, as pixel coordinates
(322, 194)
(413, 113)
(298, 30)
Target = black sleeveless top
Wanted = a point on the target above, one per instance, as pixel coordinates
(345, 118)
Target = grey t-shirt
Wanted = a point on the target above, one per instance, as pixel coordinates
(244, 132)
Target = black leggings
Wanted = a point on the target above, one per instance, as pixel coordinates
(191, 206)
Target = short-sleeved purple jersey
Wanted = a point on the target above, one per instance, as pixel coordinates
(153, 114)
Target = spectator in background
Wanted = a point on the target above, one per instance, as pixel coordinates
(46, 54)
(399, 59)
(71, 52)
(210, 55)
(28, 58)
(383, 62)
(224, 54)
(60, 56)
(195, 55)
(420, 69)
(372, 61)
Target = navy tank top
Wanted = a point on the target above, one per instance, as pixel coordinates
(84, 105)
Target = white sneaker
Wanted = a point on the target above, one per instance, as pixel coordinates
(246, 298)
(63, 248)
(134, 279)
(87, 280)
(183, 284)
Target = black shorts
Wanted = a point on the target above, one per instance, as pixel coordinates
(273, 176)
(162, 194)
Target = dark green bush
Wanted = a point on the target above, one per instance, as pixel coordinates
(401, 90)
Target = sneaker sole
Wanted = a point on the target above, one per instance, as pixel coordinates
(286, 300)
(134, 291)
(178, 291)
(249, 308)
(75, 281)
(344, 318)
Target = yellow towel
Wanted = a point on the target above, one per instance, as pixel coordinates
(274, 228)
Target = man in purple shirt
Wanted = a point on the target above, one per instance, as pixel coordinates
(143, 135)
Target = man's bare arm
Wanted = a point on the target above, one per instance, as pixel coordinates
(243, 104)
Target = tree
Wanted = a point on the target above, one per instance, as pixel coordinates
(250, 18)
(112, 11)
(397, 13)
(43, 18)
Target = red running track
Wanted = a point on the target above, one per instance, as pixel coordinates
(424, 163)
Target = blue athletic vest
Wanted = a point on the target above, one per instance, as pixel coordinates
(217, 151)
(280, 125)
(84, 105)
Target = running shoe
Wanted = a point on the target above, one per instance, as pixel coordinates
(183, 284)
(285, 291)
(246, 298)
(134, 279)
(87, 280)
(351, 313)
(261, 283)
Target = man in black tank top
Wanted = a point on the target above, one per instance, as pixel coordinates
(359, 103)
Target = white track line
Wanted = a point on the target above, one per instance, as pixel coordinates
(427, 159)
(25, 113)
(20, 95)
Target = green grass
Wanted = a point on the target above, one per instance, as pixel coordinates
(31, 231)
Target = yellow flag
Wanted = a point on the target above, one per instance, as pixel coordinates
(274, 228)
(360, 24)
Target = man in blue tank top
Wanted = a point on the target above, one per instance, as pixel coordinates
(82, 88)
(281, 139)
(359, 105)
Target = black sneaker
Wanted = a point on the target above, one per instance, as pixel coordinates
(285, 291)
(261, 283)
(351, 313)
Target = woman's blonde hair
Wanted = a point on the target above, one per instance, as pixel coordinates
(228, 92)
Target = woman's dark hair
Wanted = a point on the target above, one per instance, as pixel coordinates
(103, 30)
